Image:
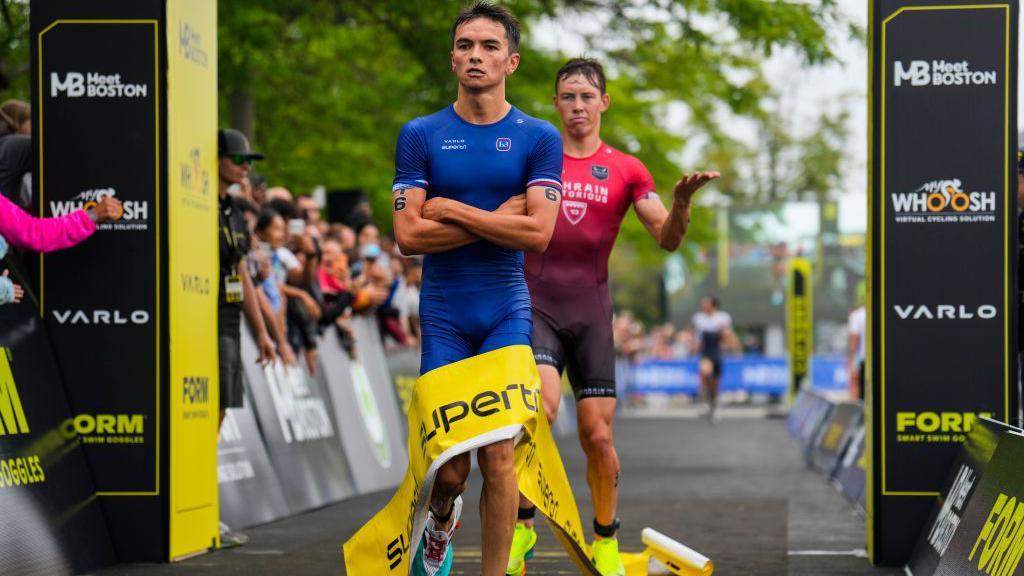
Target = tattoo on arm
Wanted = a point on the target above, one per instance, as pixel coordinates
(400, 201)
(551, 194)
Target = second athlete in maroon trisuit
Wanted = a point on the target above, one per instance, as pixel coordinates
(572, 309)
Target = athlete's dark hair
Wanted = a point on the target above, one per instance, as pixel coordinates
(266, 218)
(491, 11)
(590, 68)
(286, 209)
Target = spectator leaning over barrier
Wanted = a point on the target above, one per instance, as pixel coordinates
(269, 228)
(297, 254)
(338, 300)
(406, 299)
(236, 294)
(20, 114)
(310, 212)
(335, 276)
(10, 293)
(15, 157)
(24, 231)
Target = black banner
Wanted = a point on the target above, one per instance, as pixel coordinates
(850, 472)
(367, 413)
(97, 129)
(941, 248)
(52, 522)
(989, 538)
(798, 412)
(815, 415)
(834, 436)
(98, 135)
(296, 417)
(961, 484)
(250, 492)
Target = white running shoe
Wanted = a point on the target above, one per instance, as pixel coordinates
(434, 557)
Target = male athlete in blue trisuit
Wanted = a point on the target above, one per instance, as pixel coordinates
(461, 175)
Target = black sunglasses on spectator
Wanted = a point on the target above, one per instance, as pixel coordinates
(240, 159)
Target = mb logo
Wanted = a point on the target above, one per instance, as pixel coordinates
(917, 73)
(73, 84)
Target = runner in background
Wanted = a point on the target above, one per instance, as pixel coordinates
(714, 333)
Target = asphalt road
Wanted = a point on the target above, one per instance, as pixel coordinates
(737, 492)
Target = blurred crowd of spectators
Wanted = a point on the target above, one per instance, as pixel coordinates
(317, 274)
(635, 342)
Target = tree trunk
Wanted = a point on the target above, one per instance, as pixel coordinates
(243, 114)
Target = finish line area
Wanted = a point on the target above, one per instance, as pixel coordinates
(737, 492)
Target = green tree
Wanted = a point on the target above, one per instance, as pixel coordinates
(14, 46)
(323, 86)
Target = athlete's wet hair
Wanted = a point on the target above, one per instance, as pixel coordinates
(491, 11)
(590, 68)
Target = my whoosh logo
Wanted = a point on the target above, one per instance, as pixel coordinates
(1003, 538)
(134, 213)
(482, 405)
(944, 200)
(943, 196)
(12, 415)
(940, 73)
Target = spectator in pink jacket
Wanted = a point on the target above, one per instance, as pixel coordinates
(20, 229)
(24, 231)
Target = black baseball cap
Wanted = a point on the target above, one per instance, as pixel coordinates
(231, 142)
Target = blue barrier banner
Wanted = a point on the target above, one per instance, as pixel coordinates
(751, 374)
(830, 373)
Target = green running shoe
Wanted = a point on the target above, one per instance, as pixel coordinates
(523, 542)
(606, 557)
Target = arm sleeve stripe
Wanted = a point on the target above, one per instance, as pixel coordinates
(545, 182)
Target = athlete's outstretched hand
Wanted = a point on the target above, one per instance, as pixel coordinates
(688, 185)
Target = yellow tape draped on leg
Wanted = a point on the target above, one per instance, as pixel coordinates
(455, 409)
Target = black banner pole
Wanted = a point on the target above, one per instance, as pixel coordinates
(942, 249)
